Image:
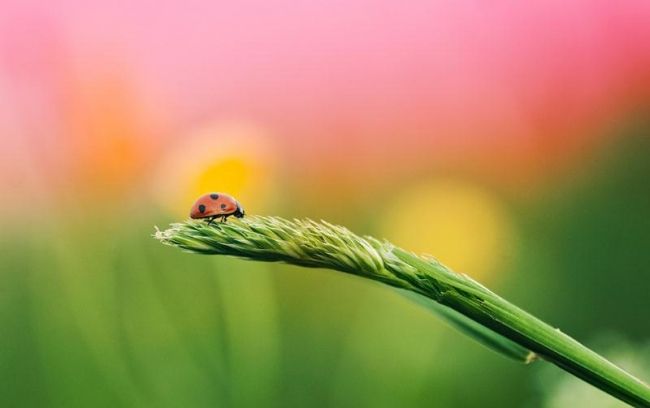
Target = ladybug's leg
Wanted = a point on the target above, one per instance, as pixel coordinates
(210, 220)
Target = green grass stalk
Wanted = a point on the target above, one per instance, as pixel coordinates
(469, 305)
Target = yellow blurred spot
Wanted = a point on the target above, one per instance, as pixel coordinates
(464, 226)
(237, 171)
(232, 158)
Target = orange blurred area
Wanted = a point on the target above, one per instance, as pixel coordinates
(107, 136)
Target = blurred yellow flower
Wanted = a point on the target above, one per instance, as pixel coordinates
(461, 224)
(234, 158)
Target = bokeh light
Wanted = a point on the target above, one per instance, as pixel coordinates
(232, 157)
(466, 226)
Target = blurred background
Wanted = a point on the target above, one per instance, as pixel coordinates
(511, 141)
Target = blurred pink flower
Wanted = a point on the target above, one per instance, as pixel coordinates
(508, 89)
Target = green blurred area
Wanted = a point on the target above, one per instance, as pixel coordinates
(95, 312)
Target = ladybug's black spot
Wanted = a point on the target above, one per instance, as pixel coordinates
(202, 208)
(223, 206)
(214, 196)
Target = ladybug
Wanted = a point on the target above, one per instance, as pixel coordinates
(216, 205)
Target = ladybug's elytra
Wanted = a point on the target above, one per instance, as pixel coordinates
(216, 205)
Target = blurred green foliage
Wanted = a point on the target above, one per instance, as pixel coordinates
(94, 312)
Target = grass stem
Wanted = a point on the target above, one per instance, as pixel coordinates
(469, 305)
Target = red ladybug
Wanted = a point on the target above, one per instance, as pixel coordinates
(216, 205)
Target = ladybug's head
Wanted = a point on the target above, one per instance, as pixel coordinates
(239, 213)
